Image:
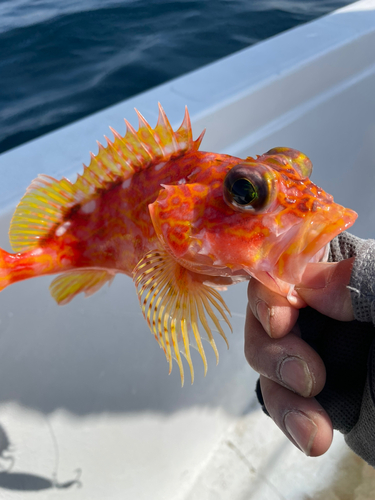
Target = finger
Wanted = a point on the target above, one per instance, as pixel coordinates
(324, 287)
(302, 420)
(289, 361)
(273, 311)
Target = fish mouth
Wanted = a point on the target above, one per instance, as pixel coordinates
(322, 255)
(311, 242)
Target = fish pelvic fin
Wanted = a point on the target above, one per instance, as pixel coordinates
(66, 286)
(47, 200)
(180, 309)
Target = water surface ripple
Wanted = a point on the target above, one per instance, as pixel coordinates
(63, 60)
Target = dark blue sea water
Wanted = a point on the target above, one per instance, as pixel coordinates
(61, 60)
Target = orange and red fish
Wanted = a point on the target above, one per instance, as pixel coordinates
(183, 223)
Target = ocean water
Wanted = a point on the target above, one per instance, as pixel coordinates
(63, 60)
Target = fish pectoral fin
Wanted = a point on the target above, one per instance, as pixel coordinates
(66, 286)
(178, 307)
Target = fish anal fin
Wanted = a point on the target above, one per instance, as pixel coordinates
(66, 286)
(178, 307)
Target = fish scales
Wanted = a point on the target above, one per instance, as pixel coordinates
(112, 229)
(182, 222)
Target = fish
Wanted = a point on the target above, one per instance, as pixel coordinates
(183, 223)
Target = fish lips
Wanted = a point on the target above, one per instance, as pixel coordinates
(310, 239)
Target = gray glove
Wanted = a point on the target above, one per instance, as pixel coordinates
(361, 435)
(348, 350)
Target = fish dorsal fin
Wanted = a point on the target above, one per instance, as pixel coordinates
(47, 200)
(174, 301)
(39, 211)
(66, 286)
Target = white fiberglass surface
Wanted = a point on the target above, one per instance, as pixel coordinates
(87, 409)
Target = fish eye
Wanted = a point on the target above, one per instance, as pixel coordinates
(244, 192)
(246, 188)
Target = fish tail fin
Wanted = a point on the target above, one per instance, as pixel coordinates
(6, 270)
(22, 266)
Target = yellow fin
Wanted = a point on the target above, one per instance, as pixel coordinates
(66, 286)
(176, 305)
(39, 211)
(47, 200)
(136, 151)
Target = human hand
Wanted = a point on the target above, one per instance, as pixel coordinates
(291, 371)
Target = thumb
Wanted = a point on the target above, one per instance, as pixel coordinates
(324, 287)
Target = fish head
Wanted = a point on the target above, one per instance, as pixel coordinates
(261, 217)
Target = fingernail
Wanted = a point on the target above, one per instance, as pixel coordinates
(264, 316)
(295, 374)
(317, 275)
(301, 429)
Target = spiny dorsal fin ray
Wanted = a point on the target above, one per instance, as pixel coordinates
(184, 133)
(66, 286)
(173, 300)
(47, 200)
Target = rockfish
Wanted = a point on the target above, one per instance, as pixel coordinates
(181, 222)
